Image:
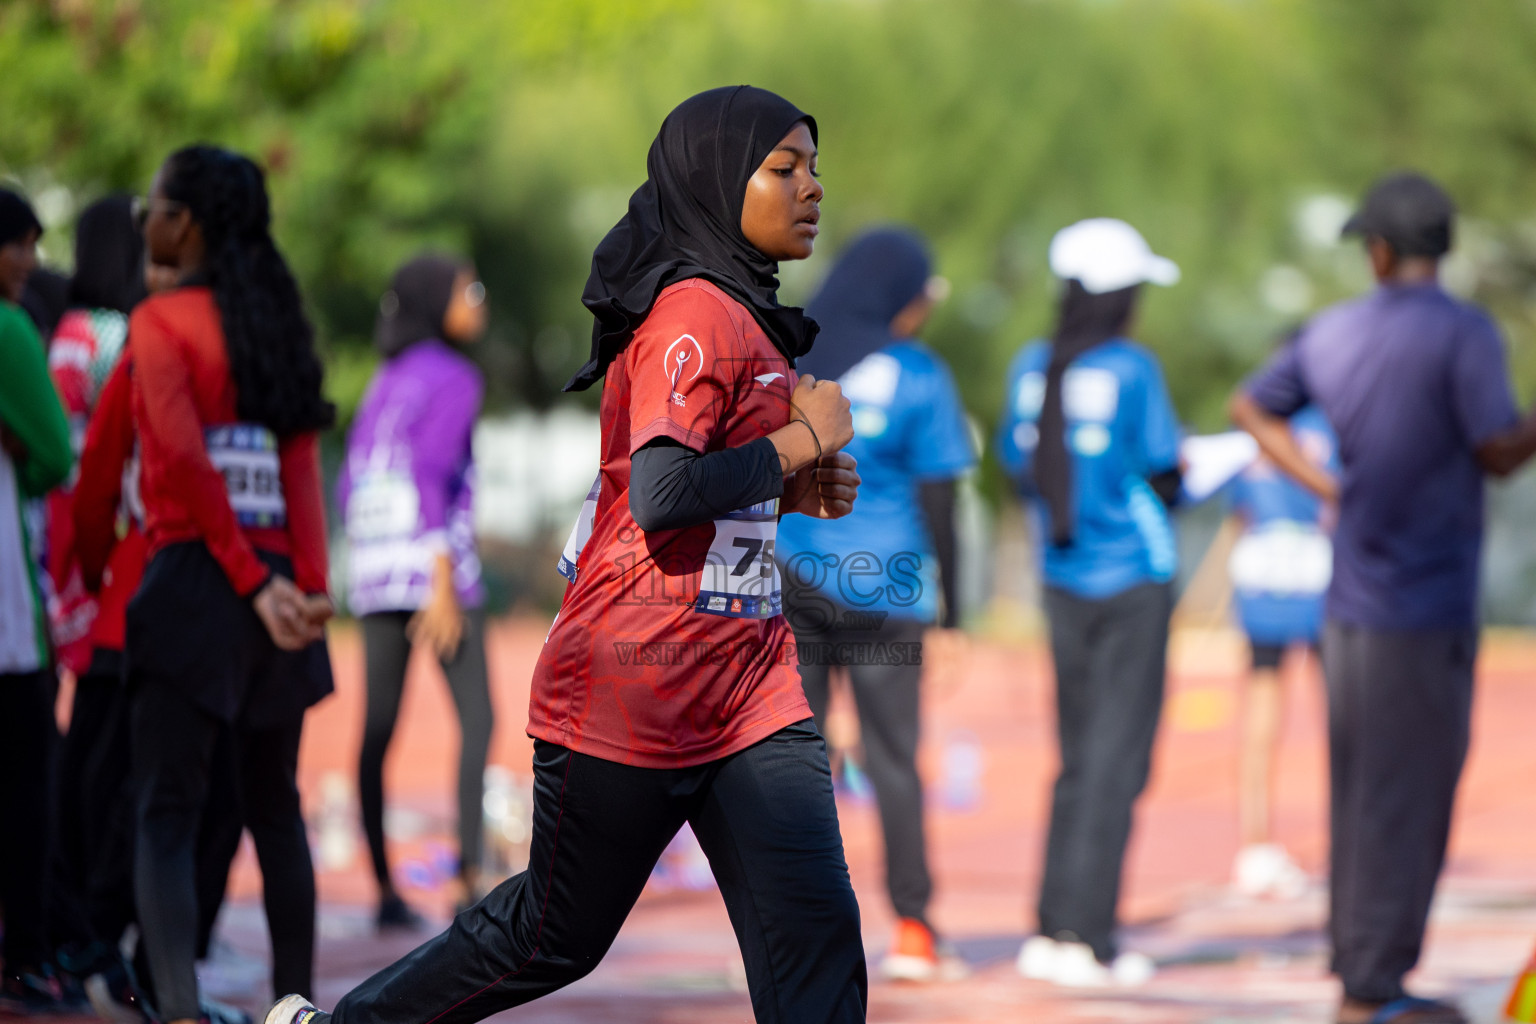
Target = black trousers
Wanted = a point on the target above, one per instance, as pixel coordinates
(1399, 722)
(1110, 659)
(888, 702)
(765, 818)
(106, 813)
(27, 735)
(82, 799)
(386, 652)
(174, 766)
(108, 839)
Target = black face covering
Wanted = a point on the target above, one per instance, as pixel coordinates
(416, 303)
(109, 257)
(874, 279)
(1086, 321)
(685, 222)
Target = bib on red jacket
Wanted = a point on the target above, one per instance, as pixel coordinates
(669, 649)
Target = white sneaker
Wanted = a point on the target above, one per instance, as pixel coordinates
(1131, 970)
(1073, 965)
(1265, 869)
(1037, 958)
(1077, 967)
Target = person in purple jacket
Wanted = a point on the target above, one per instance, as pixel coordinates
(406, 494)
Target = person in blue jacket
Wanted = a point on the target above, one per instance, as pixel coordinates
(1090, 438)
(1279, 567)
(863, 593)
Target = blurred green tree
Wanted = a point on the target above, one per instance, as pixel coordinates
(515, 132)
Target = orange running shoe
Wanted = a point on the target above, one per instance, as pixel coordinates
(916, 955)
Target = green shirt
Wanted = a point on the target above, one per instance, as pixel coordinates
(31, 415)
(29, 405)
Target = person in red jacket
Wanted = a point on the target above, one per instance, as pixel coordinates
(226, 629)
(667, 691)
(107, 283)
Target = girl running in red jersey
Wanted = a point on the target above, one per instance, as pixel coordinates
(667, 691)
(225, 629)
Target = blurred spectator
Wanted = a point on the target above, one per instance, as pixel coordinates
(911, 443)
(34, 457)
(87, 343)
(1415, 383)
(1090, 437)
(1279, 570)
(225, 633)
(45, 299)
(407, 492)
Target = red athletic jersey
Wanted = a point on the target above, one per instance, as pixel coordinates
(636, 669)
(182, 387)
(86, 346)
(110, 566)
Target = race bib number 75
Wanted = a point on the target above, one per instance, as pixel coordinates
(740, 577)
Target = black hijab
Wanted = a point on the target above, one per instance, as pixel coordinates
(685, 222)
(109, 257)
(416, 303)
(46, 300)
(17, 218)
(874, 279)
(1085, 321)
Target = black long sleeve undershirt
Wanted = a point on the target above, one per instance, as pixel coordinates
(671, 486)
(937, 499)
(1167, 485)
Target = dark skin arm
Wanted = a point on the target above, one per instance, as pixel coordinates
(1273, 433)
(1499, 456)
(1504, 453)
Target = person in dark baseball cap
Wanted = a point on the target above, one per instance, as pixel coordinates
(1415, 383)
(1409, 212)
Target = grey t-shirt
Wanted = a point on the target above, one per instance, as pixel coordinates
(1413, 382)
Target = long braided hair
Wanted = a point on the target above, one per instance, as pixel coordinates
(270, 342)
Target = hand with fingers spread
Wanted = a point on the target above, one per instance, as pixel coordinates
(825, 490)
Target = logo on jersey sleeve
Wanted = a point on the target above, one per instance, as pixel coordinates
(683, 362)
(767, 378)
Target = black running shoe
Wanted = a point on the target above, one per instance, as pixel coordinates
(396, 915)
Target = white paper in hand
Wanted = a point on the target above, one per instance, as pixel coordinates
(1211, 460)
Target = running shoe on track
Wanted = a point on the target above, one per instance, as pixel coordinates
(918, 955)
(295, 1009)
(397, 915)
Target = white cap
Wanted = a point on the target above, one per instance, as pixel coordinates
(1107, 255)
